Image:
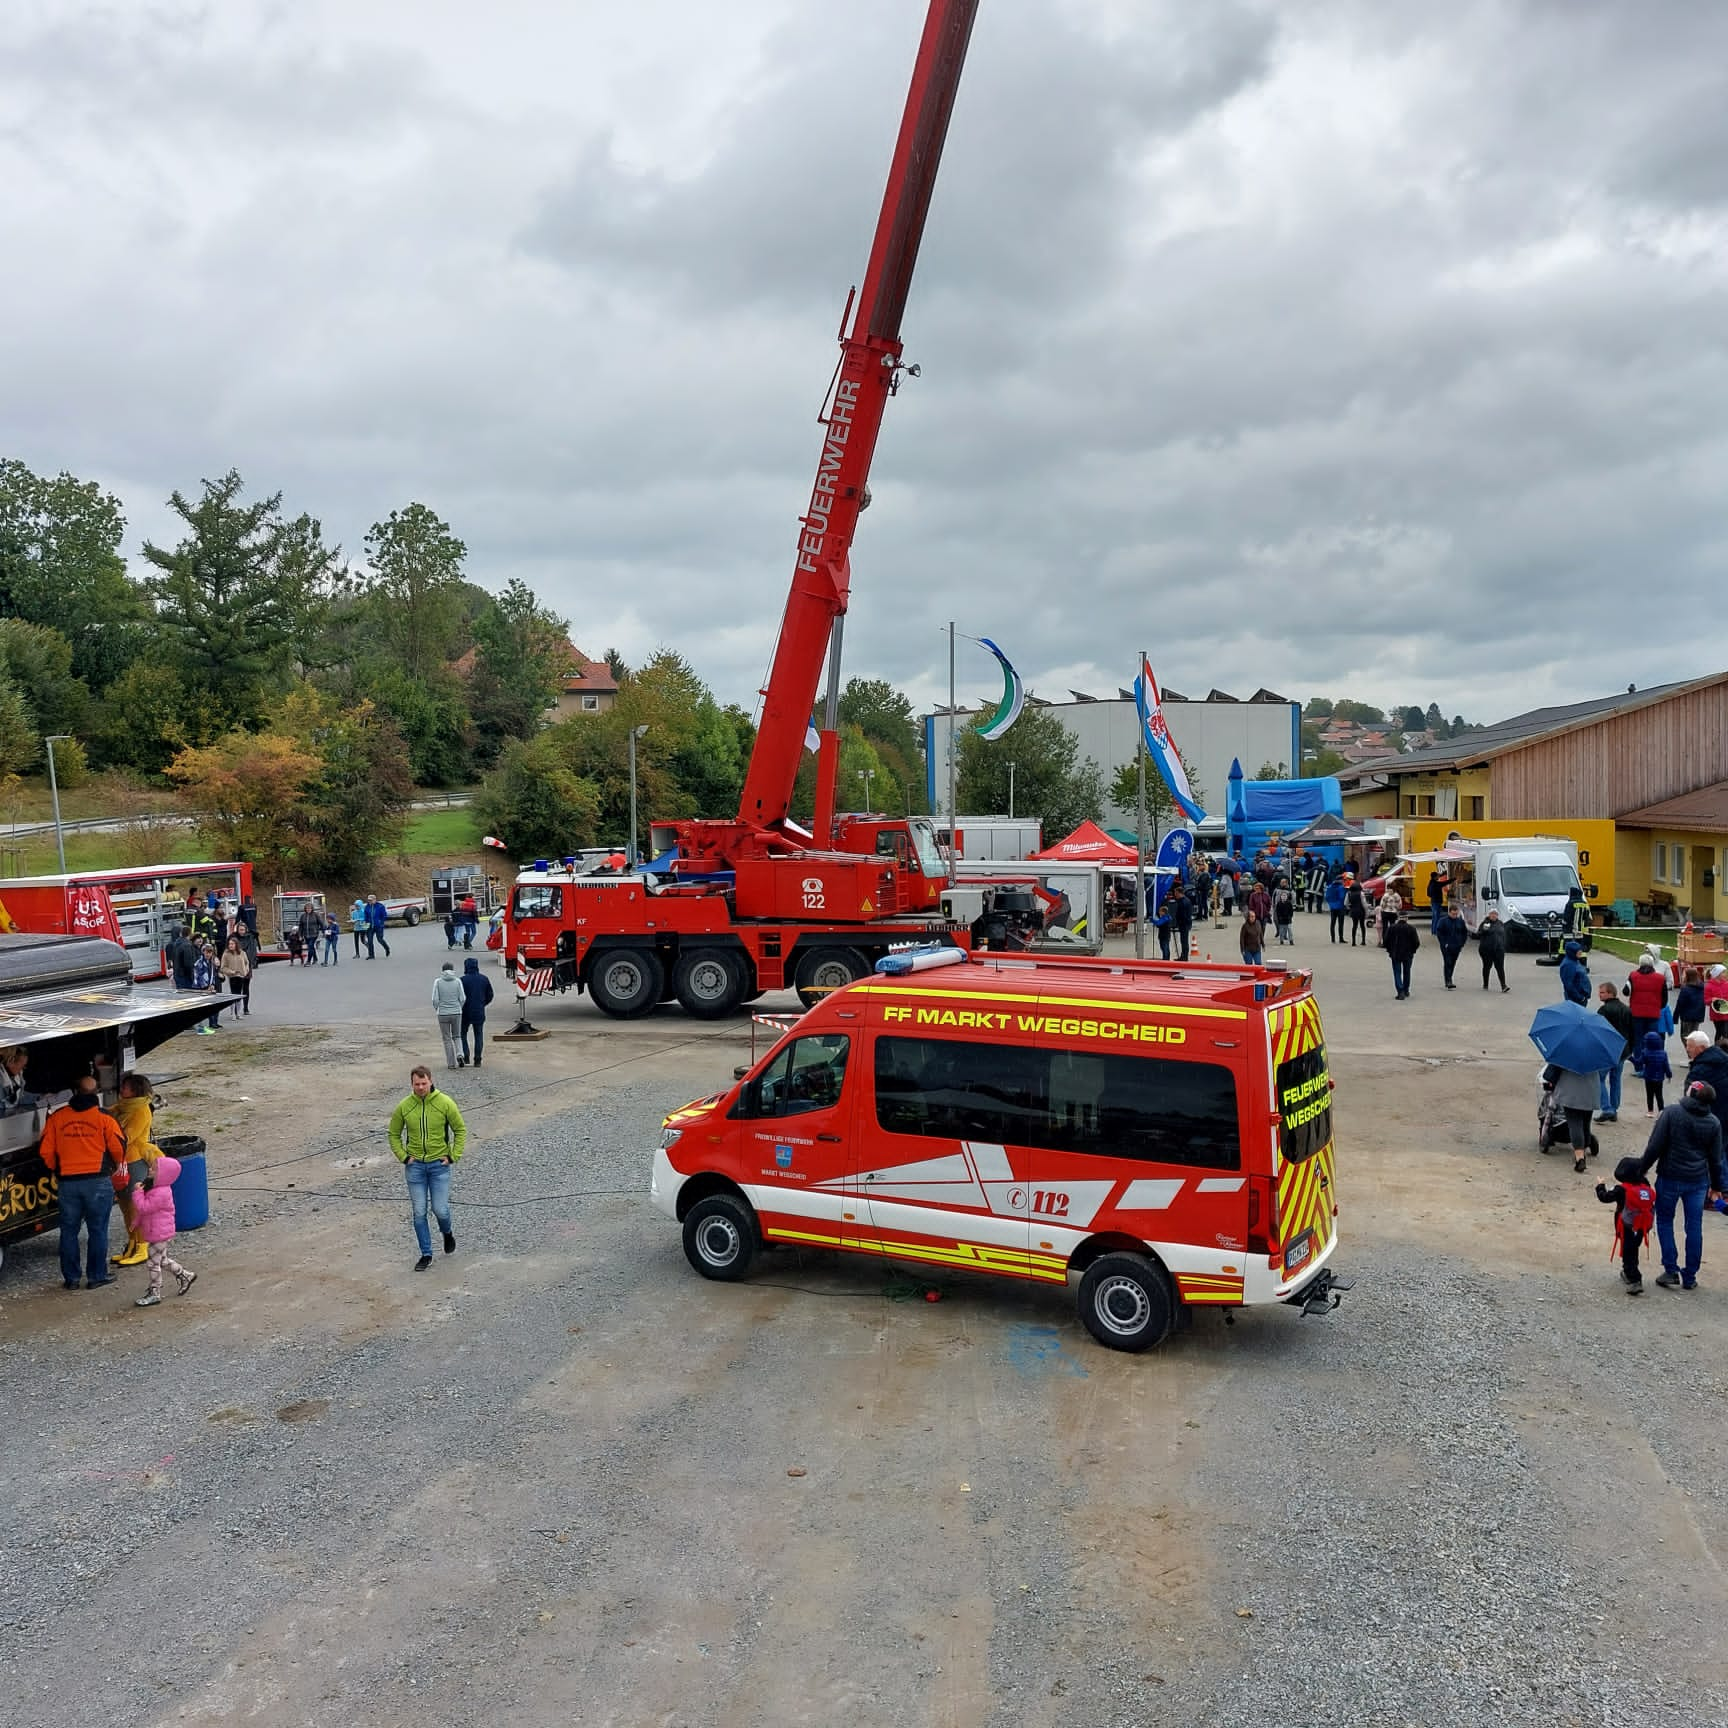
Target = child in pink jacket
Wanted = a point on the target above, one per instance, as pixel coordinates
(154, 1198)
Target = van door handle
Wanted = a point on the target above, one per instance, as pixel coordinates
(834, 1137)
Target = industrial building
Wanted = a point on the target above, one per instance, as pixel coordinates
(1211, 734)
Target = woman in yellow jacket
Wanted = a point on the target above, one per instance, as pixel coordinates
(133, 1112)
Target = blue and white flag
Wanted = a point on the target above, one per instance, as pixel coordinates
(1160, 746)
(812, 739)
(1171, 864)
(1013, 696)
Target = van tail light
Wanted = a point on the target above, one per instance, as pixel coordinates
(1262, 1216)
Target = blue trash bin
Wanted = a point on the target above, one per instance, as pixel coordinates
(192, 1185)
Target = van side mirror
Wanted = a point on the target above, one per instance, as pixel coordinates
(1490, 893)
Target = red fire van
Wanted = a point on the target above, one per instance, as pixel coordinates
(1162, 1132)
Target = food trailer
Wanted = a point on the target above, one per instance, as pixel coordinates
(70, 1002)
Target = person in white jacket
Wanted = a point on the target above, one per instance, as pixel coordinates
(447, 1005)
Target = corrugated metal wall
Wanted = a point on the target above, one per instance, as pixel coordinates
(1619, 764)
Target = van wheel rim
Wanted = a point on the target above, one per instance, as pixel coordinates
(710, 980)
(717, 1241)
(1122, 1306)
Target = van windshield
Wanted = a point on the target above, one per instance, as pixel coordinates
(1304, 1105)
(1538, 879)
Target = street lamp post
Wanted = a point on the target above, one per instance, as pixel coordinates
(630, 850)
(867, 775)
(1010, 791)
(54, 789)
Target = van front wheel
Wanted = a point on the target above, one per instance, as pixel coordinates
(1125, 1302)
(720, 1237)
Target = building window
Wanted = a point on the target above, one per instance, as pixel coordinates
(1659, 868)
(590, 704)
(1473, 809)
(1410, 805)
(1427, 802)
(1678, 866)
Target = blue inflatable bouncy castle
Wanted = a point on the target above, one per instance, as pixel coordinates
(1254, 810)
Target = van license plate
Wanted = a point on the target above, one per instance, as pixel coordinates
(1298, 1252)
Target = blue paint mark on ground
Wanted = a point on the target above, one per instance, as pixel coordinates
(1039, 1350)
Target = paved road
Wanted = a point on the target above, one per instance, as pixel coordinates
(560, 1479)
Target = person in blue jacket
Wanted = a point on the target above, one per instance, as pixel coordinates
(1575, 976)
(377, 916)
(476, 994)
(1452, 936)
(1335, 905)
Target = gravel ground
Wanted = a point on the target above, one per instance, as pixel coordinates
(559, 1478)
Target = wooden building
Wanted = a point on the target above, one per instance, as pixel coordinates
(1643, 758)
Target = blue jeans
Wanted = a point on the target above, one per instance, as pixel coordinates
(429, 1182)
(85, 1201)
(331, 958)
(1401, 977)
(1252, 957)
(477, 1025)
(1690, 1198)
(1611, 1089)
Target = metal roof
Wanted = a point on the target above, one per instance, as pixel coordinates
(1702, 812)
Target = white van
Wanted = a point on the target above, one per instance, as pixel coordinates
(1527, 881)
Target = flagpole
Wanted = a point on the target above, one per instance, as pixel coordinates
(953, 751)
(1140, 828)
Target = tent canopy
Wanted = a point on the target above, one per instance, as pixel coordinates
(1089, 844)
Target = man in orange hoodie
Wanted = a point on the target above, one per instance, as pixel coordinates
(84, 1148)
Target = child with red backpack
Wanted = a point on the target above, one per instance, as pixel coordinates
(1634, 1203)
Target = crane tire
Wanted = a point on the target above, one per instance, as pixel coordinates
(708, 981)
(626, 982)
(822, 971)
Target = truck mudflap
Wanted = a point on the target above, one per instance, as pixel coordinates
(1322, 1293)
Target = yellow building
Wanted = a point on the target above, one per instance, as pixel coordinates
(1673, 855)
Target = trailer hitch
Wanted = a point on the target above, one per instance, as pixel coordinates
(1324, 1294)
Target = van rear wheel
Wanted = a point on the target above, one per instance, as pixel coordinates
(1125, 1302)
(720, 1237)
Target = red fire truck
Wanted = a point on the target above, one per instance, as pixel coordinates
(1161, 1134)
(759, 902)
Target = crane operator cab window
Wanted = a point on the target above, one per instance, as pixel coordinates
(807, 1075)
(538, 900)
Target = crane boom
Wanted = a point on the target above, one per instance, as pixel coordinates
(868, 374)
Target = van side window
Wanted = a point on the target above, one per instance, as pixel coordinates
(1107, 1105)
(807, 1075)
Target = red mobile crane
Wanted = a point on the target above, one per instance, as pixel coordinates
(757, 903)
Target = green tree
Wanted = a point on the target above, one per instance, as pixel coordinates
(1272, 771)
(1411, 718)
(19, 743)
(240, 596)
(149, 714)
(535, 803)
(1319, 708)
(1361, 712)
(1434, 719)
(60, 567)
(244, 793)
(413, 595)
(616, 665)
(352, 809)
(431, 714)
(520, 662)
(1051, 780)
(38, 660)
(690, 739)
(885, 717)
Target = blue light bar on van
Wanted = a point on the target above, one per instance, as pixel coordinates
(541, 864)
(919, 960)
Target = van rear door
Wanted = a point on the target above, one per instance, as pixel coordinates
(1305, 1171)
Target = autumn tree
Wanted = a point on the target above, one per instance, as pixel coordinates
(244, 794)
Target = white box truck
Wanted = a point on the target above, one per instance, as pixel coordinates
(997, 837)
(1527, 881)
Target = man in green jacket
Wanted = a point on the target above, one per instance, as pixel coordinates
(427, 1135)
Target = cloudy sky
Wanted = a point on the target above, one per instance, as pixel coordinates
(1355, 347)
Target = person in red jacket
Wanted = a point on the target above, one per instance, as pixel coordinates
(1647, 990)
(86, 1150)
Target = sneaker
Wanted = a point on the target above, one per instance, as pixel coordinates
(449, 1243)
(1669, 1281)
(1688, 1283)
(97, 1283)
(423, 1262)
(1577, 1166)
(1505, 989)
(149, 1301)
(72, 1284)
(187, 1282)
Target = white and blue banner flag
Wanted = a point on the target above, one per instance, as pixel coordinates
(1007, 711)
(1160, 746)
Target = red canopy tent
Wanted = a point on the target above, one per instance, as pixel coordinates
(1089, 844)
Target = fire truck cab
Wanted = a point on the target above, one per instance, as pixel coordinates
(1160, 1133)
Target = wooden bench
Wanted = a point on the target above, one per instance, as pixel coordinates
(1660, 905)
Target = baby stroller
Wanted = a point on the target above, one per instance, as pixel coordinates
(1551, 1119)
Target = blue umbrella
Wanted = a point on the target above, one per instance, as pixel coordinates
(1572, 1036)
